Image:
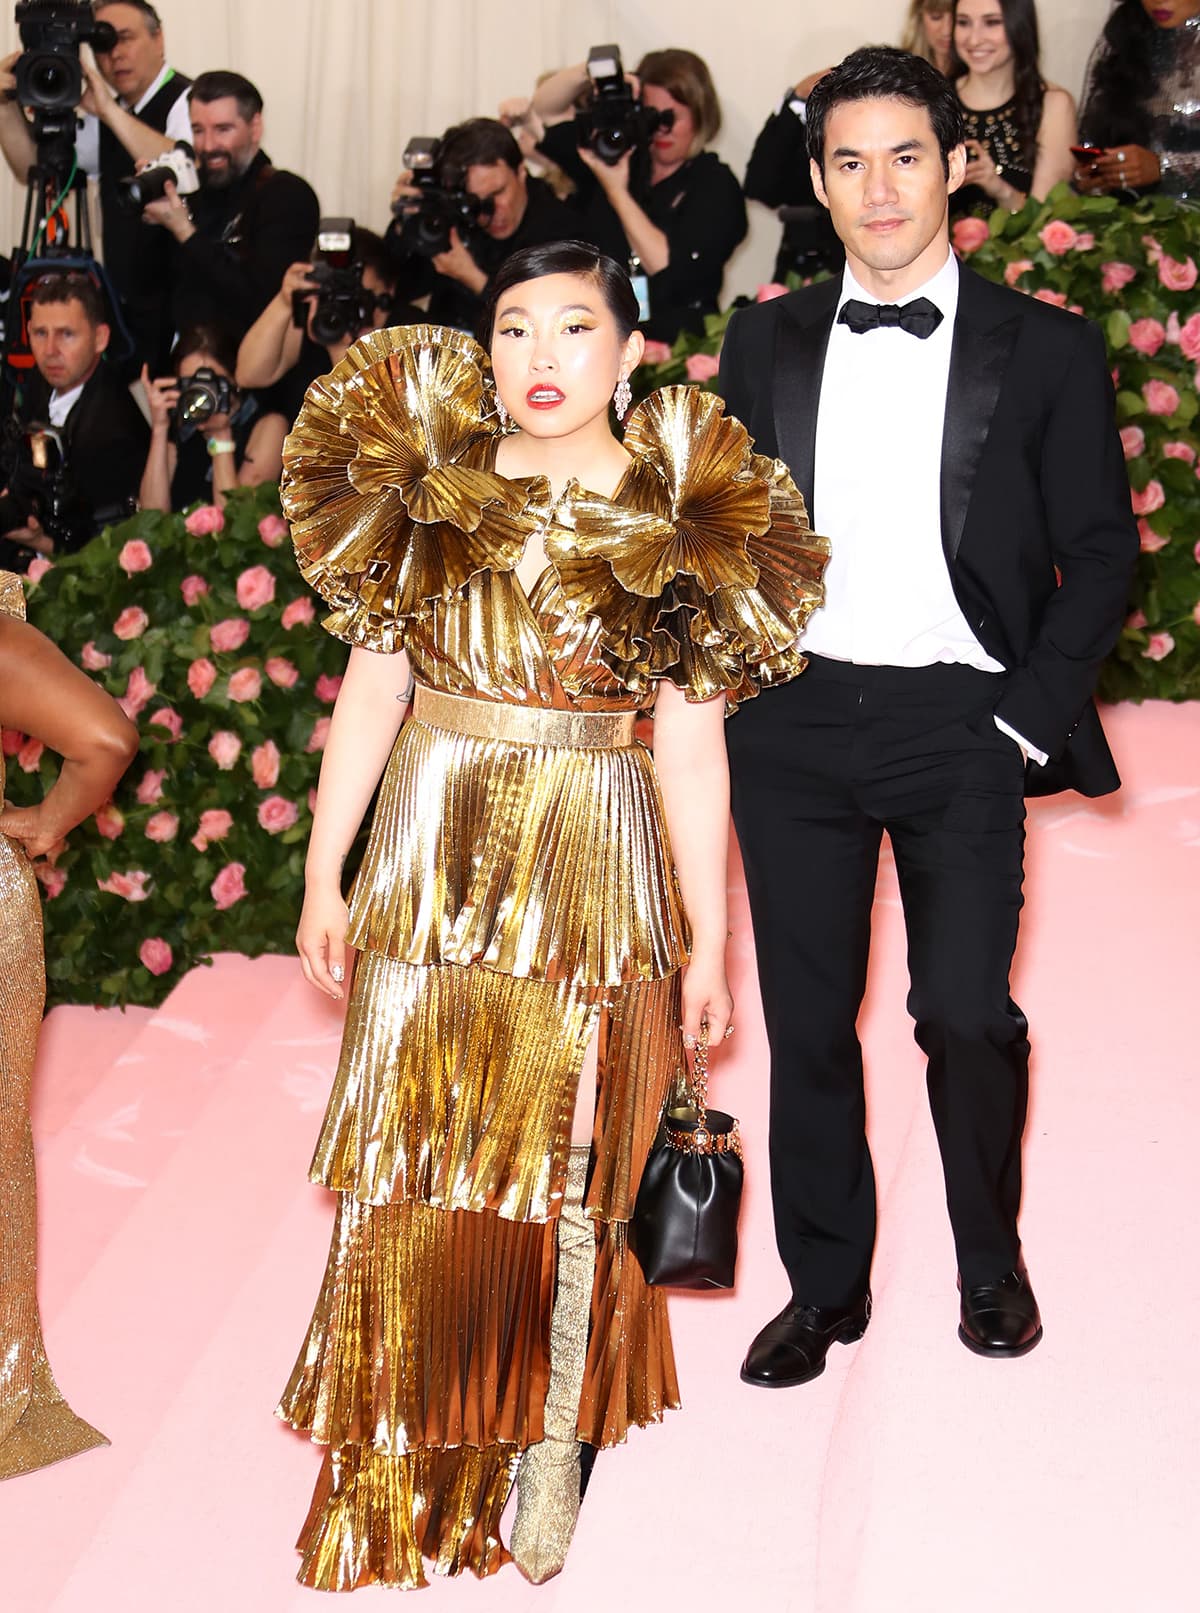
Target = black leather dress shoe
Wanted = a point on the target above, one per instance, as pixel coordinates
(1000, 1318)
(792, 1348)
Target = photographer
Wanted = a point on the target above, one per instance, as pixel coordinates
(79, 419)
(207, 435)
(235, 236)
(482, 159)
(778, 175)
(135, 108)
(668, 203)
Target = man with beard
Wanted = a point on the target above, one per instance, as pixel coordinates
(248, 221)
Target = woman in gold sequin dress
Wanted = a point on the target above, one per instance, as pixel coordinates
(44, 696)
(521, 925)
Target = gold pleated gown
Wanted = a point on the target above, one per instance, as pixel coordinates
(517, 897)
(37, 1426)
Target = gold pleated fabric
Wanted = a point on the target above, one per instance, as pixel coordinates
(37, 1427)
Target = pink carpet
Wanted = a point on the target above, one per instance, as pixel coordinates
(182, 1249)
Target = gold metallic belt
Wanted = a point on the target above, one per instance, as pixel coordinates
(523, 725)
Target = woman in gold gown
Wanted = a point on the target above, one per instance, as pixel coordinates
(533, 888)
(44, 696)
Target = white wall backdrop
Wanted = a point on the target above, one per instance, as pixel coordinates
(346, 82)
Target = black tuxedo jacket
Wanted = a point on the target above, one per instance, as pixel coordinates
(1037, 526)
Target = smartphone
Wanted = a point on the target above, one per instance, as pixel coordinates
(1087, 153)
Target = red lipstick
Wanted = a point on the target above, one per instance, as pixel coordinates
(544, 397)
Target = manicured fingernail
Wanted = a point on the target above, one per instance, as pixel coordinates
(338, 973)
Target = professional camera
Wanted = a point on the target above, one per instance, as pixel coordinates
(613, 122)
(176, 168)
(443, 203)
(48, 72)
(38, 486)
(203, 394)
(344, 306)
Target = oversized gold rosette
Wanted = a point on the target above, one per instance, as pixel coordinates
(708, 571)
(386, 486)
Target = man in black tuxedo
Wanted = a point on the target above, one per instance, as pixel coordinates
(956, 442)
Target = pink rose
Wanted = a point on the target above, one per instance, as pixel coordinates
(299, 613)
(245, 684)
(110, 821)
(52, 880)
(150, 790)
(201, 676)
(272, 529)
(205, 522)
(156, 955)
(93, 660)
(1084, 241)
(1189, 338)
(320, 733)
(1151, 498)
(1160, 398)
(1161, 644)
(169, 719)
(229, 886)
(163, 826)
(1133, 441)
(1147, 336)
(1179, 450)
(139, 692)
(224, 747)
(656, 353)
(193, 588)
(1150, 541)
(1176, 276)
(132, 886)
(30, 755)
(1057, 237)
(1196, 554)
(1114, 276)
(771, 290)
(38, 567)
(1136, 619)
(11, 740)
(229, 635)
(135, 556)
(1013, 271)
(702, 367)
(1153, 251)
(968, 235)
(327, 686)
(275, 814)
(131, 623)
(255, 588)
(1173, 328)
(281, 671)
(264, 765)
(214, 824)
(1058, 298)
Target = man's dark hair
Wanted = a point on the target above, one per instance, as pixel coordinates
(71, 287)
(562, 257)
(215, 86)
(882, 73)
(153, 20)
(371, 251)
(479, 142)
(214, 341)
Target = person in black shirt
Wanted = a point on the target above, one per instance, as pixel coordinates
(675, 208)
(248, 221)
(483, 157)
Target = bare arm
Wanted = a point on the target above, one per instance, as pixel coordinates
(264, 452)
(155, 491)
(45, 695)
(646, 240)
(693, 774)
(141, 141)
(1057, 133)
(16, 138)
(272, 344)
(554, 99)
(366, 719)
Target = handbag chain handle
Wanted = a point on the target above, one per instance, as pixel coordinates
(699, 1139)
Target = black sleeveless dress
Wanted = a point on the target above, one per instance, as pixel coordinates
(999, 133)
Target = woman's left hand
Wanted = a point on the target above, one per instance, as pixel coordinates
(1120, 168)
(706, 997)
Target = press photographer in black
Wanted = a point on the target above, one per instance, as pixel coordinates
(652, 196)
(466, 209)
(74, 453)
(778, 175)
(234, 237)
(134, 108)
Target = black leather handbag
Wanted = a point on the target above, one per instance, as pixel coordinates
(684, 1227)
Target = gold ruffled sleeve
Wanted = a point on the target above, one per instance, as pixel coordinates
(12, 595)
(710, 570)
(387, 486)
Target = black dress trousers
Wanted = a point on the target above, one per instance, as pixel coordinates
(821, 768)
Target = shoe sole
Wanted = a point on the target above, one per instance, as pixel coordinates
(1000, 1352)
(850, 1335)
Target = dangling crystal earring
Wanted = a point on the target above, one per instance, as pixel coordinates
(501, 412)
(622, 397)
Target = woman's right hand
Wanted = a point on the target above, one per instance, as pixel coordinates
(161, 397)
(321, 940)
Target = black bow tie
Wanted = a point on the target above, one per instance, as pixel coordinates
(919, 318)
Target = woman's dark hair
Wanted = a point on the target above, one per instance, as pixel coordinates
(1029, 89)
(1114, 111)
(217, 341)
(562, 257)
(882, 73)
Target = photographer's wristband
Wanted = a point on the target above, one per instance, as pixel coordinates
(221, 445)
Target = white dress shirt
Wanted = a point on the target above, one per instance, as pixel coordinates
(61, 404)
(889, 600)
(179, 124)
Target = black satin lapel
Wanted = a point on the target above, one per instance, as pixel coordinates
(978, 359)
(799, 365)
